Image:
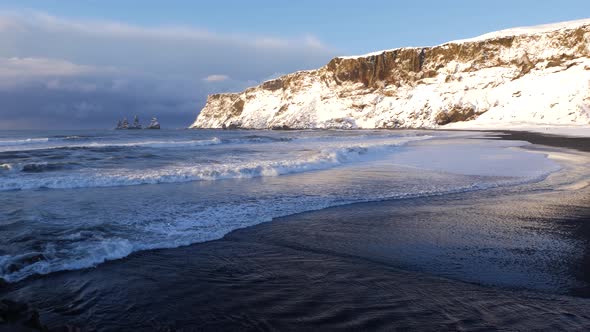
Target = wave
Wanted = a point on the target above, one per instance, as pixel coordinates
(155, 144)
(29, 144)
(84, 249)
(323, 159)
(40, 140)
(50, 144)
(72, 137)
(258, 139)
(92, 253)
(26, 141)
(36, 167)
(110, 145)
(85, 141)
(165, 225)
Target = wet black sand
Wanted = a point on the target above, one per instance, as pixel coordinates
(490, 260)
(577, 143)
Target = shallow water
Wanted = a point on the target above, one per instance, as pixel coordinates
(500, 259)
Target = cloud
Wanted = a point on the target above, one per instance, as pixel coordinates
(24, 67)
(216, 78)
(49, 66)
(15, 72)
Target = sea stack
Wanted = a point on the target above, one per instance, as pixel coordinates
(154, 124)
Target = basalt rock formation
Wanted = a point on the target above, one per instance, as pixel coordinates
(538, 75)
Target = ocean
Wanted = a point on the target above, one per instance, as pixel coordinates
(73, 200)
(76, 199)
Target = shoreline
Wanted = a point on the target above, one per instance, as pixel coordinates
(259, 266)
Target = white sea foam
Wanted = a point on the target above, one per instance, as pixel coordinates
(117, 231)
(33, 166)
(318, 160)
(155, 144)
(211, 223)
(50, 144)
(6, 167)
(32, 144)
(84, 254)
(23, 141)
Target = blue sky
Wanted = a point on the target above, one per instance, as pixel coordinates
(85, 63)
(352, 26)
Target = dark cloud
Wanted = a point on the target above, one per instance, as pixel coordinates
(64, 73)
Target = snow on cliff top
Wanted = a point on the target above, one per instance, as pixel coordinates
(528, 30)
(499, 34)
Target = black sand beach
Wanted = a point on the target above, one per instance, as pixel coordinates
(576, 143)
(500, 259)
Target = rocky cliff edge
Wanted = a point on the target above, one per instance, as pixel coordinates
(538, 75)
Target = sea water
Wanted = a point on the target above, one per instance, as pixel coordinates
(75, 199)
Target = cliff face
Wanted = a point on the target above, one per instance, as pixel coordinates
(537, 75)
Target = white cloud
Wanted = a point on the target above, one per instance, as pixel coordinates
(164, 50)
(168, 32)
(16, 72)
(27, 67)
(73, 86)
(314, 42)
(216, 78)
(115, 65)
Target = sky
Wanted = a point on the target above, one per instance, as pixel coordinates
(84, 64)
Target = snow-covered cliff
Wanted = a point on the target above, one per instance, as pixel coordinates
(538, 75)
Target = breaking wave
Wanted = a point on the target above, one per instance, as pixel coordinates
(36, 167)
(324, 159)
(73, 137)
(83, 249)
(93, 142)
(23, 141)
(146, 144)
(42, 140)
(156, 144)
(55, 239)
(73, 142)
